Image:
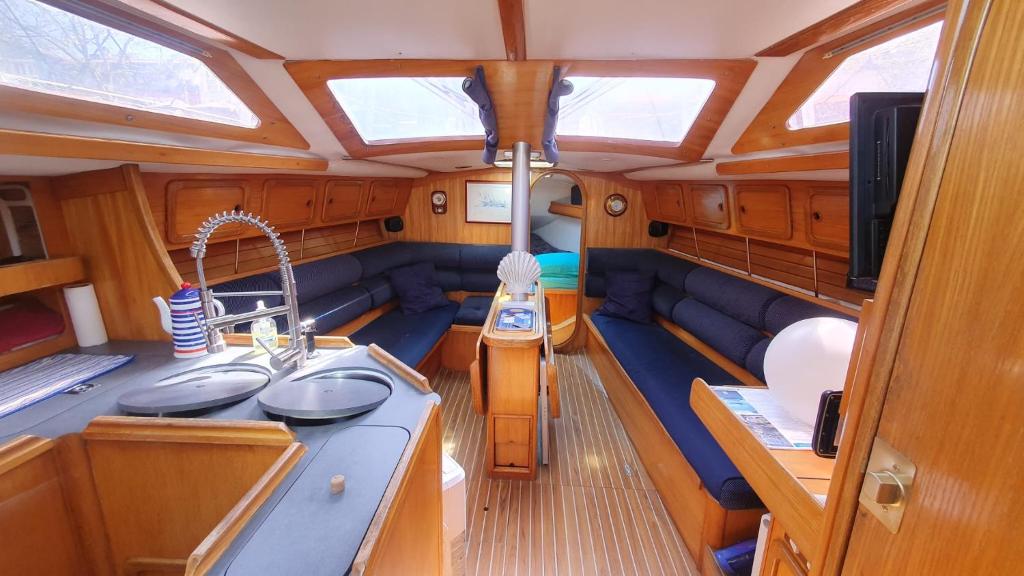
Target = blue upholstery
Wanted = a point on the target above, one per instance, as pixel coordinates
(319, 278)
(789, 310)
(408, 337)
(755, 359)
(270, 281)
(673, 271)
(665, 297)
(730, 337)
(380, 259)
(417, 287)
(379, 288)
(473, 311)
(745, 301)
(628, 295)
(601, 260)
(336, 309)
(479, 266)
(442, 255)
(663, 368)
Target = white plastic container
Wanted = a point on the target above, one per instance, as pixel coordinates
(453, 486)
(263, 330)
(762, 543)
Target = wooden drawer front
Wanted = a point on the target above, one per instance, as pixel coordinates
(289, 202)
(513, 437)
(190, 202)
(828, 213)
(383, 198)
(764, 210)
(669, 201)
(710, 206)
(342, 200)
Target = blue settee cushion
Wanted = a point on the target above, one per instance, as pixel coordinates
(379, 288)
(319, 278)
(408, 337)
(789, 310)
(380, 259)
(473, 310)
(336, 309)
(663, 368)
(628, 295)
(417, 287)
(730, 337)
(268, 282)
(743, 300)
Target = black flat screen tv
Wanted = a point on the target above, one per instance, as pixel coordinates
(882, 126)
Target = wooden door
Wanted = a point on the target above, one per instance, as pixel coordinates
(669, 201)
(828, 217)
(288, 203)
(955, 382)
(764, 210)
(342, 200)
(710, 205)
(190, 202)
(383, 200)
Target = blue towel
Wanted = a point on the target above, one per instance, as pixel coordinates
(25, 385)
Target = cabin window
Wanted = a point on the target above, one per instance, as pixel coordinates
(48, 50)
(385, 110)
(902, 64)
(633, 108)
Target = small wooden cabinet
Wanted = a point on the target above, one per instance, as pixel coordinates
(342, 200)
(288, 203)
(828, 217)
(668, 199)
(190, 202)
(710, 203)
(384, 199)
(764, 210)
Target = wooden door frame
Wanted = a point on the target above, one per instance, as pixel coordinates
(870, 375)
(574, 341)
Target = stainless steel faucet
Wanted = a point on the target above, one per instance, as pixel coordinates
(296, 352)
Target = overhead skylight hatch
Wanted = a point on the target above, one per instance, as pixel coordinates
(902, 64)
(386, 110)
(47, 50)
(633, 108)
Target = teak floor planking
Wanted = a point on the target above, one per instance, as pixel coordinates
(592, 510)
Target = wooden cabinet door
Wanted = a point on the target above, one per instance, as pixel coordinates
(764, 210)
(669, 201)
(828, 217)
(190, 202)
(288, 202)
(779, 560)
(383, 200)
(710, 205)
(342, 200)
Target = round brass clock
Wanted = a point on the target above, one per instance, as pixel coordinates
(615, 205)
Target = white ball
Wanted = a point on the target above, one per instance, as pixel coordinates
(806, 359)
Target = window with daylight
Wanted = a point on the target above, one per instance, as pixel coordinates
(651, 109)
(48, 50)
(902, 64)
(393, 109)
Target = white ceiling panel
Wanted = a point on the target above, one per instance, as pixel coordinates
(612, 29)
(361, 29)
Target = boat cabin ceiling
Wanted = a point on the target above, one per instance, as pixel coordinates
(473, 287)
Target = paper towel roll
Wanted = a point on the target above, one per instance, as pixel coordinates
(85, 314)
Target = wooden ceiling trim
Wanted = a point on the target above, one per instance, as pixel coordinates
(850, 18)
(803, 163)
(768, 130)
(730, 77)
(168, 13)
(273, 129)
(513, 28)
(21, 143)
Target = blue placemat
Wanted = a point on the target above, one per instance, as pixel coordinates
(36, 381)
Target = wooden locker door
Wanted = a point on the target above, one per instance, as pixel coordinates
(828, 217)
(955, 393)
(342, 200)
(764, 210)
(710, 204)
(383, 199)
(190, 202)
(288, 203)
(669, 201)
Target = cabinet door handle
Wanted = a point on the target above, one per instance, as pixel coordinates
(237, 208)
(330, 200)
(743, 209)
(309, 203)
(721, 207)
(816, 215)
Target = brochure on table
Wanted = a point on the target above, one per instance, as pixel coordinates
(766, 418)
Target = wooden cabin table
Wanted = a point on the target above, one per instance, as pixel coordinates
(791, 483)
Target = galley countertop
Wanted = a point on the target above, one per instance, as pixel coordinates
(302, 528)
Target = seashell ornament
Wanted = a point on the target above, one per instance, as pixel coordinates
(519, 271)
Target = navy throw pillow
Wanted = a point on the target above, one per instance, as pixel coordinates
(628, 295)
(417, 287)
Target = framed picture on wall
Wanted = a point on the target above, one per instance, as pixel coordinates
(489, 202)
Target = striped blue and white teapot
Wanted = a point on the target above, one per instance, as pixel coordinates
(185, 322)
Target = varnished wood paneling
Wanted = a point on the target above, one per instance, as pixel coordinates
(828, 212)
(764, 210)
(289, 203)
(592, 510)
(22, 143)
(709, 204)
(513, 28)
(191, 202)
(809, 162)
(841, 22)
(38, 274)
(768, 130)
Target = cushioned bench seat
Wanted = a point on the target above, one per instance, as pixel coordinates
(473, 311)
(408, 337)
(663, 368)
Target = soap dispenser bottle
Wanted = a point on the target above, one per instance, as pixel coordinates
(263, 330)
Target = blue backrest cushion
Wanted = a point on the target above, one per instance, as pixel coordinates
(417, 287)
(269, 282)
(379, 288)
(673, 271)
(601, 261)
(479, 266)
(664, 298)
(442, 255)
(628, 295)
(755, 358)
(741, 299)
(788, 310)
(730, 337)
(319, 278)
(380, 259)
